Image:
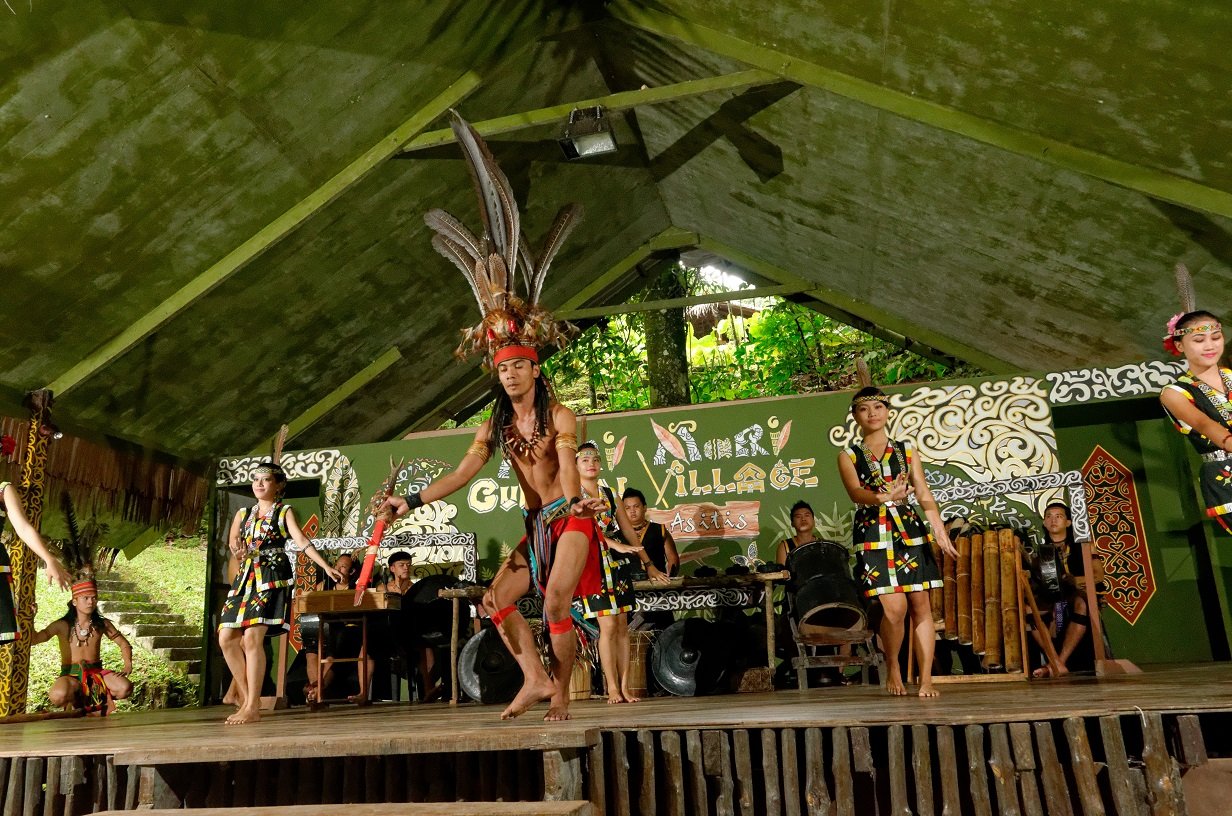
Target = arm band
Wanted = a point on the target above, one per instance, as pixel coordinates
(413, 501)
(566, 441)
(480, 449)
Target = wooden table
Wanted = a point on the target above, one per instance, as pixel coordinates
(337, 606)
(678, 594)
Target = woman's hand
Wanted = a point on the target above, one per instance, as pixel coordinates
(56, 574)
(333, 574)
(657, 575)
(943, 541)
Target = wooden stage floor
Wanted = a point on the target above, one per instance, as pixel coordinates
(198, 735)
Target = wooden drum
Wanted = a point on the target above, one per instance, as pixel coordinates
(639, 654)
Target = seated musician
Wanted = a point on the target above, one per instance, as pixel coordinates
(344, 641)
(404, 639)
(658, 556)
(805, 526)
(1062, 575)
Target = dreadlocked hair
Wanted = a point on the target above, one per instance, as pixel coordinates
(502, 413)
(96, 617)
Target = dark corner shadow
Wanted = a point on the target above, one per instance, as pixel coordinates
(762, 156)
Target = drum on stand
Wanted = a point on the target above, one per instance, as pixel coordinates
(487, 672)
(825, 598)
(309, 631)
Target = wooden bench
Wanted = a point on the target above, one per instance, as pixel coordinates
(389, 809)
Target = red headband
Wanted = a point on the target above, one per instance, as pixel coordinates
(514, 352)
(84, 588)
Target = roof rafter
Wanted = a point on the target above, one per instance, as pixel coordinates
(267, 237)
(619, 101)
(1146, 180)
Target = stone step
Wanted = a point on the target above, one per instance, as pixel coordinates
(134, 618)
(169, 641)
(113, 596)
(106, 584)
(148, 630)
(181, 653)
(137, 606)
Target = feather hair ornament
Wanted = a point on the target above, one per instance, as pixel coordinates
(83, 552)
(1188, 300)
(493, 262)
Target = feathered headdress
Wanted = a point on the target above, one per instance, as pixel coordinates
(82, 551)
(512, 325)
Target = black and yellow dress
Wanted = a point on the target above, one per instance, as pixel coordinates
(1216, 474)
(261, 592)
(893, 544)
(9, 630)
(616, 596)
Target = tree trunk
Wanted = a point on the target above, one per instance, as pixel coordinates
(667, 362)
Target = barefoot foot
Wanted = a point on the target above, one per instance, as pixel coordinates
(557, 712)
(1048, 672)
(615, 698)
(929, 690)
(894, 686)
(532, 692)
(244, 715)
(630, 698)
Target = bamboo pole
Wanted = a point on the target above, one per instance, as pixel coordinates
(936, 596)
(977, 592)
(992, 601)
(963, 545)
(950, 592)
(1011, 634)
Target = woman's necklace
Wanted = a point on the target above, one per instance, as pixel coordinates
(83, 635)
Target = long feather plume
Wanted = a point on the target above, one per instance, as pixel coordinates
(863, 376)
(445, 224)
(1185, 288)
(83, 552)
(500, 214)
(465, 264)
(569, 217)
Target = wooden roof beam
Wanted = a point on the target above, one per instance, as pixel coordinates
(1139, 178)
(271, 234)
(620, 101)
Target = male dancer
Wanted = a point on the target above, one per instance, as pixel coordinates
(536, 434)
(539, 435)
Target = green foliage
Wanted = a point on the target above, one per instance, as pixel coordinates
(173, 574)
(781, 350)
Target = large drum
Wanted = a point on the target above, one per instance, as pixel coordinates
(825, 598)
(487, 672)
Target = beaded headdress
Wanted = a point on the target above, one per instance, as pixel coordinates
(868, 392)
(513, 325)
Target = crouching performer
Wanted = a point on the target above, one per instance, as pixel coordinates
(559, 554)
(83, 682)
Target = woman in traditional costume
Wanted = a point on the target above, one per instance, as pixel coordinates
(259, 603)
(612, 604)
(1198, 404)
(894, 560)
(11, 506)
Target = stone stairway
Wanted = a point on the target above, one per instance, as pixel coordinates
(151, 625)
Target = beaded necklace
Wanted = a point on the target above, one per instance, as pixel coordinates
(520, 445)
(877, 475)
(258, 528)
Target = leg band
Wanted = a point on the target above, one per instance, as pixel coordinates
(560, 627)
(1081, 620)
(499, 615)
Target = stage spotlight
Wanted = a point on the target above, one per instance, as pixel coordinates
(588, 133)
